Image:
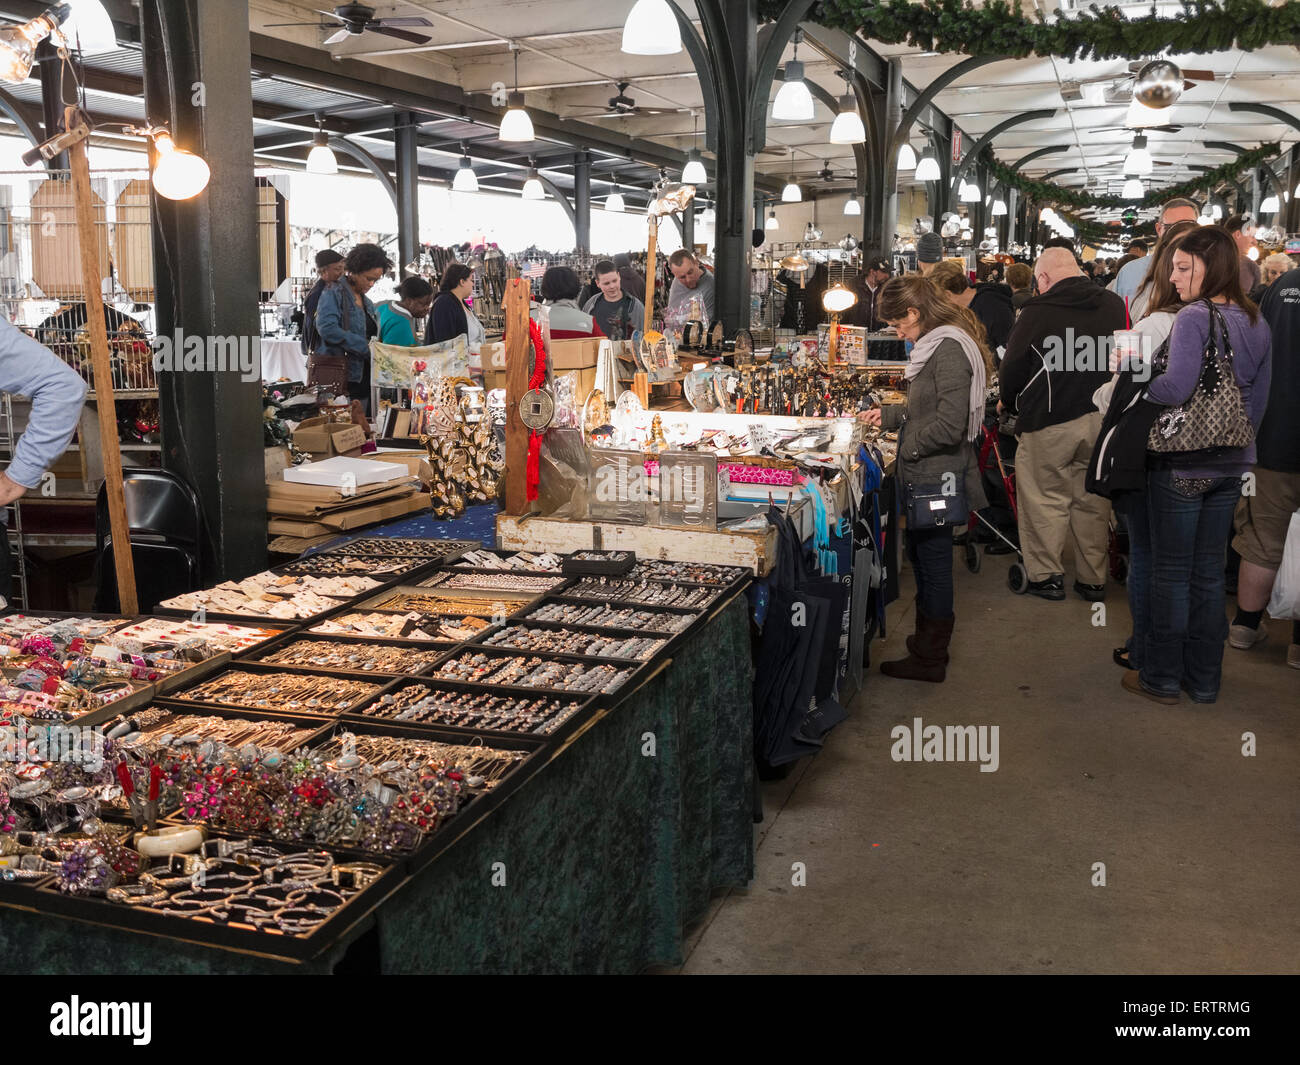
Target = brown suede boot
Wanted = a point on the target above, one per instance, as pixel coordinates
(913, 641)
(928, 662)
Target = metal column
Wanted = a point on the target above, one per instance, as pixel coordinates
(196, 64)
(688, 228)
(888, 203)
(50, 71)
(406, 133)
(582, 201)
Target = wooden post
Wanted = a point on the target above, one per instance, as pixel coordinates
(123, 562)
(519, 368)
(641, 388)
(650, 272)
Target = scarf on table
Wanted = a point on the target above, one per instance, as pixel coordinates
(925, 347)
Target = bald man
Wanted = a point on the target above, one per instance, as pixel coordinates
(1057, 356)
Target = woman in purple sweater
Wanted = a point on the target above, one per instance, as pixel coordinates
(1191, 496)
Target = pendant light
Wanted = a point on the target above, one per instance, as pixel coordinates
(794, 103)
(708, 216)
(999, 208)
(928, 168)
(847, 127)
(651, 29)
(465, 180)
(516, 126)
(852, 206)
(320, 160)
(614, 201)
(18, 43)
(771, 222)
(1138, 161)
(1216, 212)
(533, 186)
(906, 157)
(970, 193)
(1270, 205)
(89, 28)
(694, 173)
(792, 193)
(1133, 189)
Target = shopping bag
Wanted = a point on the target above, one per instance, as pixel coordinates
(1285, 600)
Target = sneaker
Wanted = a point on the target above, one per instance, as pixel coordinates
(1133, 683)
(1243, 637)
(1094, 593)
(1293, 656)
(1049, 588)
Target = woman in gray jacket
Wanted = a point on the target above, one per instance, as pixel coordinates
(948, 368)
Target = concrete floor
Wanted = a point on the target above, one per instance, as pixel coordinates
(940, 868)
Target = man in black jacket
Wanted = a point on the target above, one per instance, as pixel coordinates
(329, 268)
(1264, 514)
(866, 286)
(1057, 356)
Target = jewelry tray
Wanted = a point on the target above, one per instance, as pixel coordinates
(258, 654)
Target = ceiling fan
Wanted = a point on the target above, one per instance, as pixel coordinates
(623, 106)
(355, 19)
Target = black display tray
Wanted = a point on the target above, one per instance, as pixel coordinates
(461, 566)
(382, 680)
(559, 578)
(586, 703)
(613, 564)
(353, 608)
(258, 654)
(593, 630)
(695, 613)
(576, 592)
(601, 698)
(447, 550)
(488, 599)
(245, 938)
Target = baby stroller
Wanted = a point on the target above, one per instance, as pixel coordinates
(999, 477)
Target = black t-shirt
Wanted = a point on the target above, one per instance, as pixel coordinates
(614, 319)
(1277, 444)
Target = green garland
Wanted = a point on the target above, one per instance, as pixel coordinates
(1089, 231)
(1046, 192)
(999, 27)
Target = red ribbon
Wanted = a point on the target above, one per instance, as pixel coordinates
(155, 777)
(533, 471)
(124, 777)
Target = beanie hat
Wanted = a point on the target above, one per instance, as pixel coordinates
(929, 248)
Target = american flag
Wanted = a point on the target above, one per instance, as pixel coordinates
(533, 271)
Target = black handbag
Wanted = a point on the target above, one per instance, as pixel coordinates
(930, 507)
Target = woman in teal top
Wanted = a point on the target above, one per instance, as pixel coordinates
(397, 319)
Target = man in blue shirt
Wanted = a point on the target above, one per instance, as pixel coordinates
(1130, 277)
(57, 392)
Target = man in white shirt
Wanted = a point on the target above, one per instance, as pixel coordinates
(1130, 278)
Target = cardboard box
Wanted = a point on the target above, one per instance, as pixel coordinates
(410, 459)
(275, 461)
(574, 354)
(340, 470)
(320, 436)
(312, 502)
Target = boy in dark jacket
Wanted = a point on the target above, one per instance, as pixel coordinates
(1057, 356)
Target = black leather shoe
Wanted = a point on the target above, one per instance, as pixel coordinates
(1049, 588)
(1120, 654)
(1094, 593)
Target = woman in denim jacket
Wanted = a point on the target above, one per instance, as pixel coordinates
(346, 320)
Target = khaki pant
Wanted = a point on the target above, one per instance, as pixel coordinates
(1051, 466)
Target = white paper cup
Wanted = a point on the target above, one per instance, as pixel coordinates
(1126, 350)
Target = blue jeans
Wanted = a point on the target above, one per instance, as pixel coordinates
(1189, 541)
(1132, 507)
(930, 552)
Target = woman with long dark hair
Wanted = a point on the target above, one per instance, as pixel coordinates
(947, 371)
(1191, 495)
(448, 318)
(1128, 493)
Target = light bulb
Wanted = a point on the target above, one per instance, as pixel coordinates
(515, 124)
(852, 206)
(791, 193)
(651, 29)
(970, 193)
(999, 208)
(465, 180)
(1205, 220)
(838, 299)
(772, 223)
(1270, 205)
(847, 127)
(533, 186)
(928, 168)
(1138, 161)
(614, 202)
(1132, 190)
(694, 173)
(18, 43)
(178, 174)
(1216, 212)
(1252, 253)
(794, 103)
(906, 157)
(320, 160)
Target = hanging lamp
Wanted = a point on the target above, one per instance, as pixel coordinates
(516, 126)
(793, 103)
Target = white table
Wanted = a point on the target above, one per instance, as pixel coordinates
(283, 358)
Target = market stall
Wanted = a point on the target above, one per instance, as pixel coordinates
(398, 763)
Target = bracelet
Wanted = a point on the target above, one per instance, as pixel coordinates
(171, 839)
(145, 893)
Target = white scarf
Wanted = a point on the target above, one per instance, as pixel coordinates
(925, 347)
